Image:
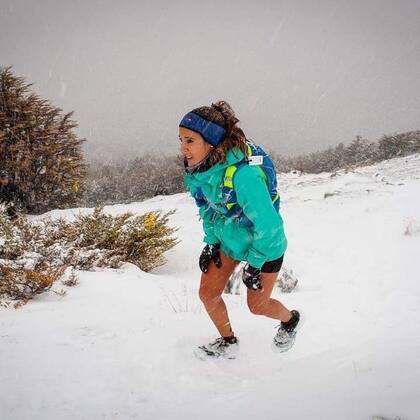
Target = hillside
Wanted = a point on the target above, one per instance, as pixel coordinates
(120, 344)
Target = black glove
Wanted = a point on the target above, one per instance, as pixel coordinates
(251, 277)
(210, 252)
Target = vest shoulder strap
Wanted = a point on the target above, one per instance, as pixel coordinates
(231, 170)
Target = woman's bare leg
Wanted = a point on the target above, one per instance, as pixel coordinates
(260, 303)
(211, 288)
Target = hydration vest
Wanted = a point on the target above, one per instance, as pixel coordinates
(256, 156)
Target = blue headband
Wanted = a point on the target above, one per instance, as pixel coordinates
(212, 133)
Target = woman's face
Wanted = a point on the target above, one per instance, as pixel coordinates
(192, 146)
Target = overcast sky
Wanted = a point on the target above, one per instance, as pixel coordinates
(301, 75)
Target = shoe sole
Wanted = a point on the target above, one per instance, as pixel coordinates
(286, 347)
(203, 353)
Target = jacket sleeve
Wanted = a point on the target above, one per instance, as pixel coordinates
(253, 197)
(206, 214)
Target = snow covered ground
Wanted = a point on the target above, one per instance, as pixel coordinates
(120, 344)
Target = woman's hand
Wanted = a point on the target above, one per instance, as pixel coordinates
(210, 252)
(251, 277)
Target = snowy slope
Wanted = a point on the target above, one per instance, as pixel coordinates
(119, 345)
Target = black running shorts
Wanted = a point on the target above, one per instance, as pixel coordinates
(272, 266)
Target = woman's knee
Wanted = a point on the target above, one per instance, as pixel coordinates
(208, 294)
(257, 307)
(214, 281)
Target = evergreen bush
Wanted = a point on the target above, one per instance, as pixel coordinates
(95, 240)
(38, 147)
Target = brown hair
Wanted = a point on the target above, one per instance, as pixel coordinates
(221, 113)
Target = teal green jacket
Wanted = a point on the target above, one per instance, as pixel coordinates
(265, 239)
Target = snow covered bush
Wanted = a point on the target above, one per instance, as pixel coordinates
(69, 277)
(21, 285)
(110, 241)
(287, 281)
(235, 280)
(401, 144)
(412, 228)
(95, 240)
(11, 243)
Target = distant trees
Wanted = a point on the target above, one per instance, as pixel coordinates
(38, 147)
(399, 144)
(147, 176)
(133, 180)
(41, 152)
(358, 153)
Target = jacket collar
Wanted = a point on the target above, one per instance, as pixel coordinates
(233, 156)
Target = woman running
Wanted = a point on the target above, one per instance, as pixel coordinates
(241, 222)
